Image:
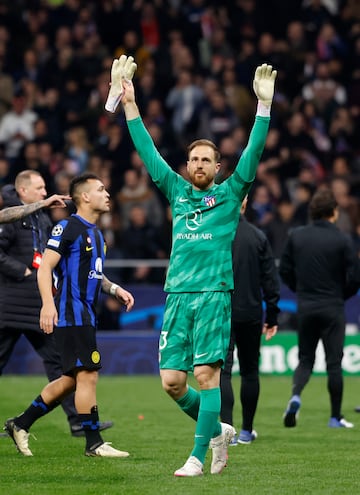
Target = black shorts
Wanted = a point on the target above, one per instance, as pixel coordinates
(78, 349)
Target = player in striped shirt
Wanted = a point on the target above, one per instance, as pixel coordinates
(75, 254)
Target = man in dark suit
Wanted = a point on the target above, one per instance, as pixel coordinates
(319, 263)
(255, 280)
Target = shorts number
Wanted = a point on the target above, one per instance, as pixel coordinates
(163, 340)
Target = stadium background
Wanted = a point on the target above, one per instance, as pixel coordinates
(196, 61)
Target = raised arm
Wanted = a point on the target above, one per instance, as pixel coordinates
(122, 89)
(264, 85)
(14, 213)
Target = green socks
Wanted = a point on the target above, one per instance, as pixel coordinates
(207, 426)
(190, 403)
(203, 407)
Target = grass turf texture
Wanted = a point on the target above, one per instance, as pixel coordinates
(309, 459)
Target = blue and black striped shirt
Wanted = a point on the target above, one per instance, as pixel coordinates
(78, 275)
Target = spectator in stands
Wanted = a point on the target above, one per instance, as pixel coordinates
(220, 51)
(298, 46)
(342, 131)
(281, 225)
(133, 45)
(29, 69)
(348, 205)
(29, 159)
(297, 146)
(136, 191)
(49, 109)
(77, 147)
(148, 89)
(62, 182)
(17, 127)
(6, 92)
(276, 187)
(302, 196)
(113, 146)
(184, 102)
(61, 67)
(314, 14)
(72, 102)
(42, 49)
(229, 157)
(341, 166)
(5, 173)
(261, 207)
(217, 118)
(238, 97)
(139, 241)
(329, 44)
(324, 91)
(88, 61)
(150, 25)
(271, 158)
(317, 127)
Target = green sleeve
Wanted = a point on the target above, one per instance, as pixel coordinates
(246, 168)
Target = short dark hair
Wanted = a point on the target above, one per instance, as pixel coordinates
(322, 204)
(77, 181)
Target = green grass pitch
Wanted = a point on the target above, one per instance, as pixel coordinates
(309, 459)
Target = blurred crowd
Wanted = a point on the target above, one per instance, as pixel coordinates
(196, 60)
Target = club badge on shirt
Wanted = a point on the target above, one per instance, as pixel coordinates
(209, 200)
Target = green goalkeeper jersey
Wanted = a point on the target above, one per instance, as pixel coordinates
(204, 222)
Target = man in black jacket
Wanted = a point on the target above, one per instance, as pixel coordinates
(321, 266)
(255, 279)
(21, 246)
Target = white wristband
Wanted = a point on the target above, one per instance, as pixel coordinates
(263, 110)
(113, 289)
(112, 102)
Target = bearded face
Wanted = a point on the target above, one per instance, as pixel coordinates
(202, 167)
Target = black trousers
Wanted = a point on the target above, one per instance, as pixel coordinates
(44, 345)
(247, 337)
(329, 327)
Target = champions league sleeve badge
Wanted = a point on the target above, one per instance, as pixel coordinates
(57, 230)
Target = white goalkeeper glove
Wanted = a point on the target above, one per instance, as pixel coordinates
(121, 69)
(264, 84)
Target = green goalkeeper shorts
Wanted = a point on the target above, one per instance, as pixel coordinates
(196, 330)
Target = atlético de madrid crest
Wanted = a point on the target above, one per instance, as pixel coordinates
(209, 200)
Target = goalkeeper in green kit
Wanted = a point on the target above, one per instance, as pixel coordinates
(196, 329)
